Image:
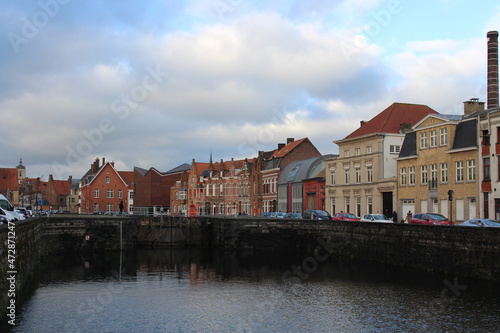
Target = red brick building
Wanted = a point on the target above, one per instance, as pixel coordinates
(102, 188)
(277, 160)
(152, 188)
(56, 192)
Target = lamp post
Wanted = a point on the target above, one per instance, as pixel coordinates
(450, 199)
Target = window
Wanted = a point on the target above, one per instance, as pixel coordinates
(96, 207)
(394, 149)
(434, 176)
(182, 194)
(471, 170)
(109, 207)
(369, 203)
(369, 176)
(347, 176)
(107, 180)
(96, 193)
(358, 175)
(357, 151)
(347, 204)
(444, 172)
(110, 194)
(120, 194)
(332, 203)
(358, 206)
(487, 169)
(346, 153)
(332, 176)
(443, 136)
(403, 176)
(368, 149)
(423, 174)
(131, 194)
(433, 138)
(411, 175)
(423, 140)
(460, 171)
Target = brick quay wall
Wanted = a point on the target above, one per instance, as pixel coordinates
(460, 251)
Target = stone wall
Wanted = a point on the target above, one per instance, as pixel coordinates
(461, 251)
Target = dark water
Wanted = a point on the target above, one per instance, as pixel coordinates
(201, 291)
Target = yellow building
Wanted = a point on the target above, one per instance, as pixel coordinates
(437, 167)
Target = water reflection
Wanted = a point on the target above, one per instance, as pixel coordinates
(204, 291)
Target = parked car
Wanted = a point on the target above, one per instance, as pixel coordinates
(8, 209)
(316, 214)
(4, 219)
(375, 218)
(293, 216)
(481, 223)
(278, 214)
(345, 217)
(267, 214)
(23, 212)
(430, 218)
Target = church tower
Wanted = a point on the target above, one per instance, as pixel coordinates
(21, 171)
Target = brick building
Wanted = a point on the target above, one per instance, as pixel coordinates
(102, 188)
(56, 193)
(152, 188)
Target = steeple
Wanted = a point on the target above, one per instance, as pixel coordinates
(21, 170)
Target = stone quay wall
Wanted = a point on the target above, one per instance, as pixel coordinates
(461, 251)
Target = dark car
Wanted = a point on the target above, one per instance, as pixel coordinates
(293, 216)
(481, 223)
(430, 218)
(316, 214)
(345, 217)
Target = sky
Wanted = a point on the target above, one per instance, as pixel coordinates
(160, 83)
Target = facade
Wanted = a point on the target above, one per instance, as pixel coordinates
(10, 179)
(438, 167)
(276, 161)
(103, 188)
(56, 193)
(221, 188)
(301, 185)
(363, 178)
(152, 188)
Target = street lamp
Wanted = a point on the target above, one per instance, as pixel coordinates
(450, 199)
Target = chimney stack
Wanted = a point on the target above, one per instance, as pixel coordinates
(492, 69)
(289, 140)
(473, 105)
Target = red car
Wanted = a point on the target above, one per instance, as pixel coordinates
(430, 218)
(344, 217)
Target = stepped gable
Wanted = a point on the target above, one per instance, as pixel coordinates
(390, 120)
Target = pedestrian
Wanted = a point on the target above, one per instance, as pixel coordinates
(395, 217)
(409, 216)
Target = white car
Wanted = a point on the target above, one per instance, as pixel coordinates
(9, 210)
(376, 218)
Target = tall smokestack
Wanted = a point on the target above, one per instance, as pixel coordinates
(492, 69)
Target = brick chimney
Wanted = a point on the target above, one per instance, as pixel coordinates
(473, 105)
(281, 145)
(492, 69)
(361, 123)
(289, 140)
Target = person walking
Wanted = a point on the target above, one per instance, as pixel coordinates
(409, 216)
(395, 217)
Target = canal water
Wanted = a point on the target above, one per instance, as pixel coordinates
(203, 291)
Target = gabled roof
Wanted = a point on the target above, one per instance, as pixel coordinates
(62, 187)
(286, 149)
(127, 176)
(8, 179)
(180, 168)
(409, 147)
(390, 120)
